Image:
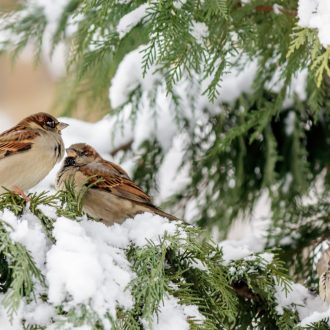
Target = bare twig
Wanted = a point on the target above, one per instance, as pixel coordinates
(289, 12)
(123, 147)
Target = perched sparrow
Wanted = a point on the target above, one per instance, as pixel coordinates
(29, 150)
(112, 196)
(323, 271)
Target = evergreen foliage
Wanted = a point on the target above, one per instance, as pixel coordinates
(257, 144)
(229, 295)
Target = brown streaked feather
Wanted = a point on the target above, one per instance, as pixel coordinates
(119, 169)
(119, 185)
(106, 168)
(13, 141)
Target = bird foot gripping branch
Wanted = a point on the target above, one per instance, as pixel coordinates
(21, 193)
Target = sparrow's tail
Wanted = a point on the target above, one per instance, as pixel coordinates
(164, 214)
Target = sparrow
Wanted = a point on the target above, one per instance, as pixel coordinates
(323, 271)
(29, 150)
(111, 196)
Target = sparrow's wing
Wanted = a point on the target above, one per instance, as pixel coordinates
(119, 185)
(108, 169)
(15, 141)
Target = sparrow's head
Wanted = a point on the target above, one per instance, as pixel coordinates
(43, 121)
(80, 154)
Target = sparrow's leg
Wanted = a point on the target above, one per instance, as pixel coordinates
(21, 193)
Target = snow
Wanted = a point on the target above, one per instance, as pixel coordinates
(290, 123)
(87, 265)
(129, 21)
(179, 3)
(144, 228)
(129, 76)
(39, 313)
(296, 89)
(277, 9)
(239, 80)
(309, 306)
(5, 323)
(172, 315)
(199, 31)
(88, 262)
(52, 9)
(315, 14)
(315, 317)
(123, 2)
(72, 264)
(158, 119)
(233, 250)
(28, 231)
(171, 175)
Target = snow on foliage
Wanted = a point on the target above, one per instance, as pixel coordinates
(87, 265)
(172, 315)
(129, 21)
(316, 14)
(199, 31)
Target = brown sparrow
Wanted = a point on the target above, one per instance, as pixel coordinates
(29, 150)
(112, 196)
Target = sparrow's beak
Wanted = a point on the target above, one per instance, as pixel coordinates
(61, 126)
(70, 152)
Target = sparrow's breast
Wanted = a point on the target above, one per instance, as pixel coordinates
(27, 168)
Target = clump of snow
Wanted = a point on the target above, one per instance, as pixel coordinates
(296, 89)
(72, 264)
(290, 123)
(179, 3)
(237, 81)
(199, 31)
(27, 231)
(129, 76)
(252, 231)
(316, 14)
(87, 264)
(39, 313)
(123, 2)
(233, 250)
(129, 21)
(316, 316)
(143, 228)
(308, 305)
(172, 315)
(171, 175)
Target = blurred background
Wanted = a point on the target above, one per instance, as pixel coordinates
(27, 88)
(24, 87)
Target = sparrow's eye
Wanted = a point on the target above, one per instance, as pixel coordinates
(51, 124)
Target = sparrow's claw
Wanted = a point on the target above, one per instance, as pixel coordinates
(21, 193)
